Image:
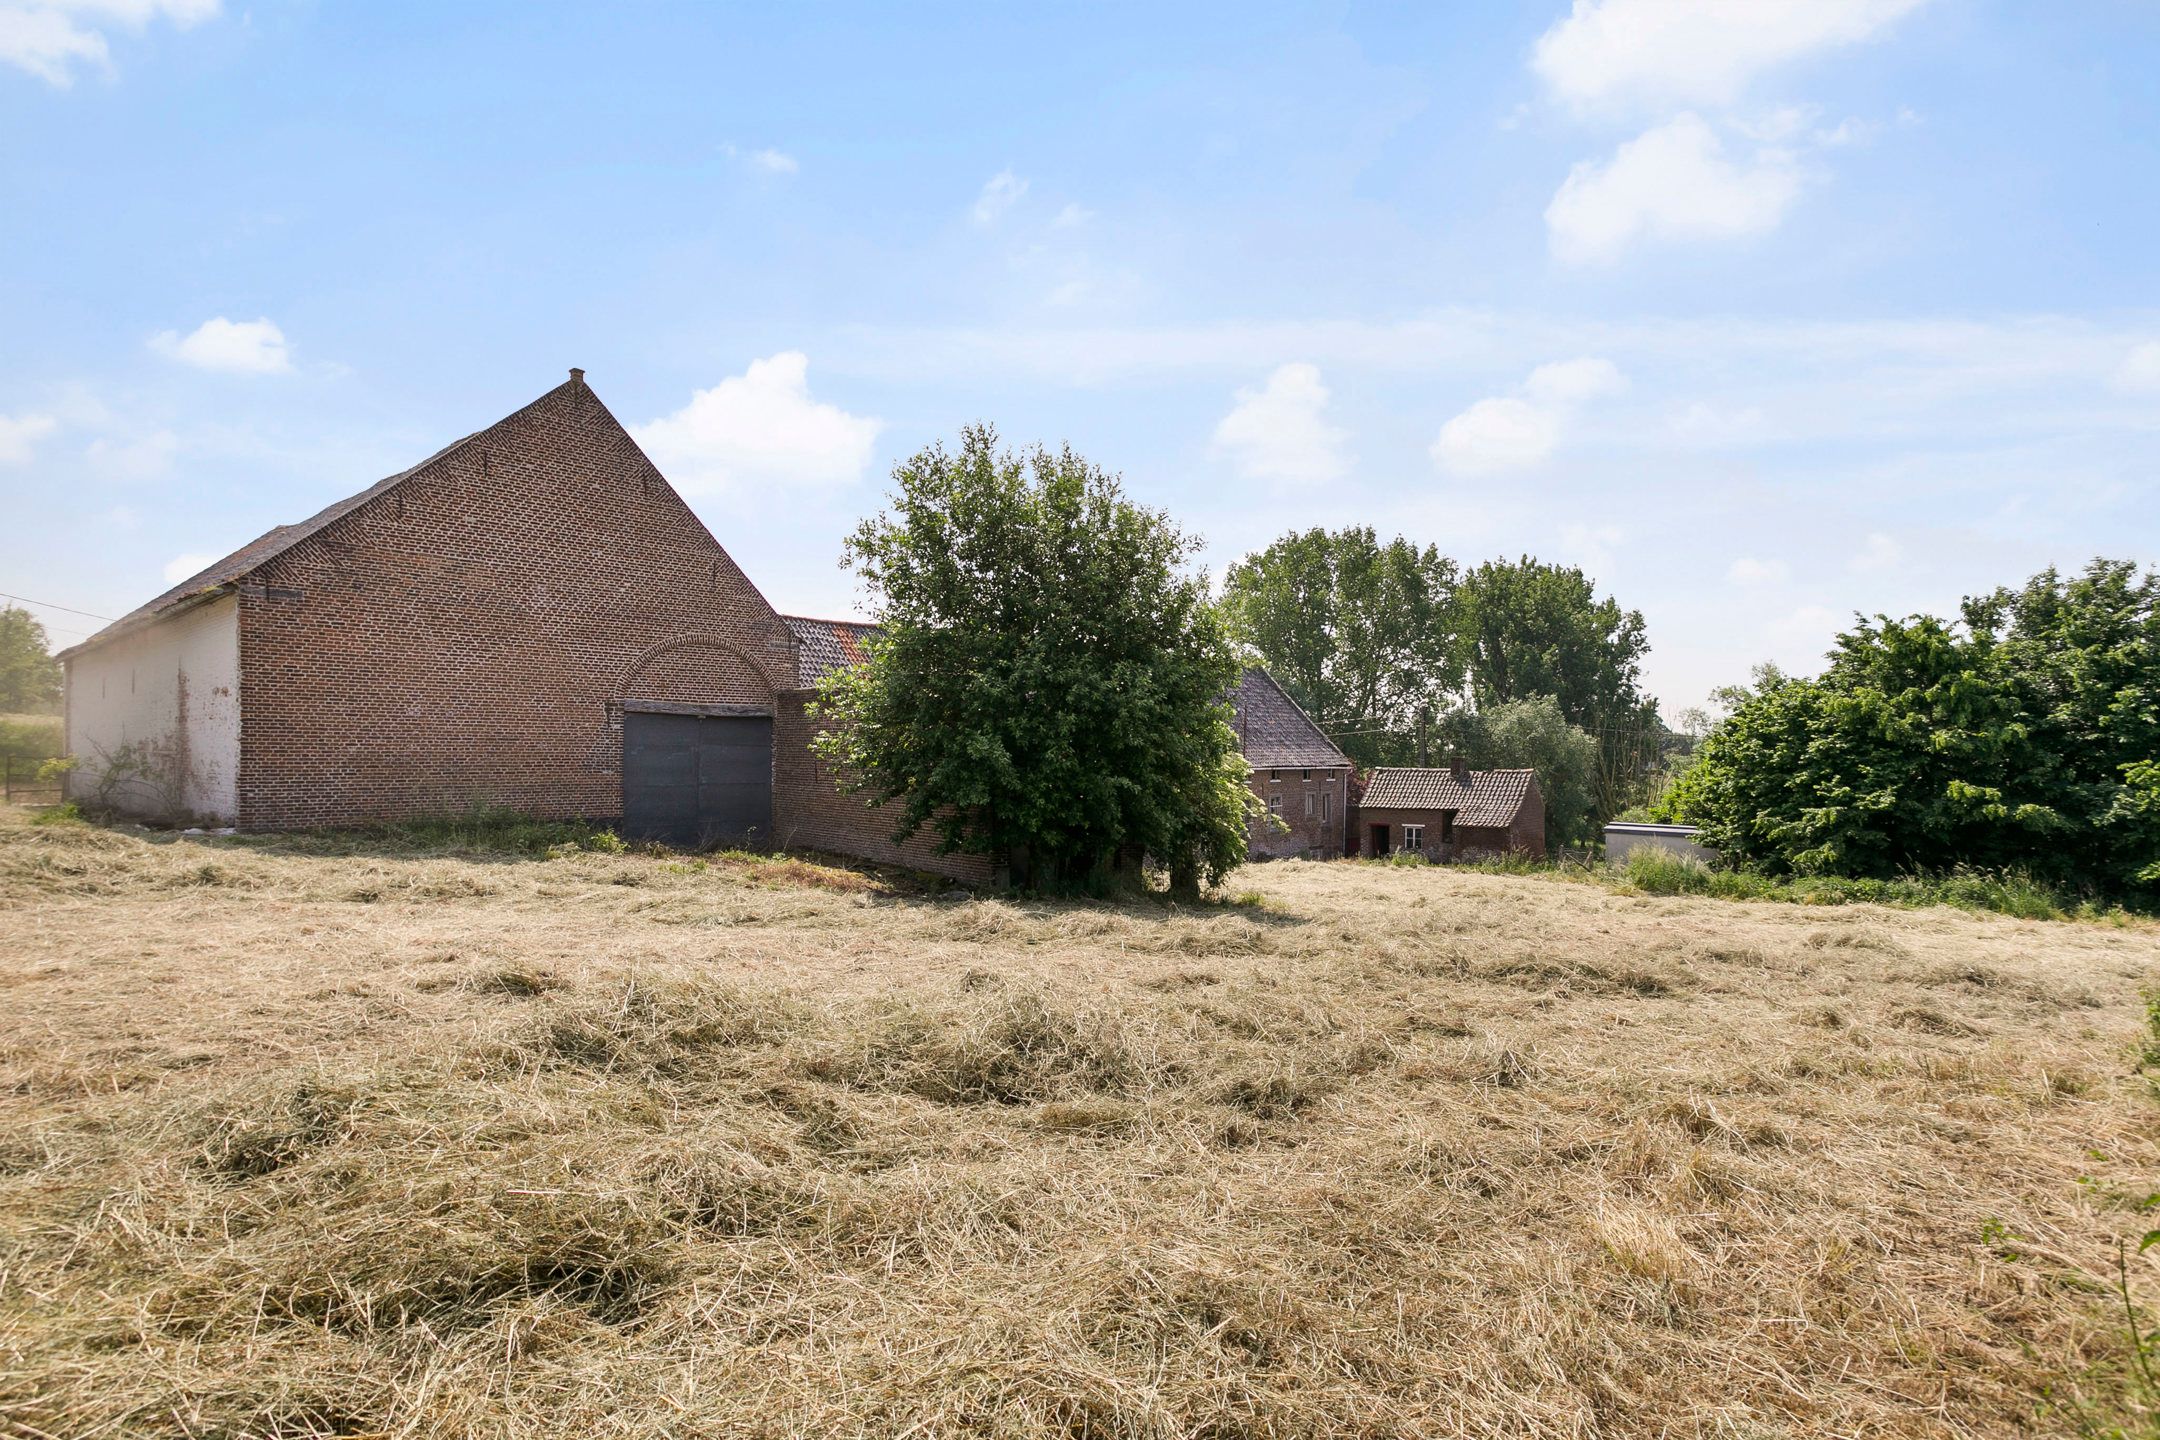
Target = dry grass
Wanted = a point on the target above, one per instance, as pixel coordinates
(316, 1141)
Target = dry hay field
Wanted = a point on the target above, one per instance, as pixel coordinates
(309, 1138)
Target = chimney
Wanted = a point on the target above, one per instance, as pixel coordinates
(577, 377)
(1459, 768)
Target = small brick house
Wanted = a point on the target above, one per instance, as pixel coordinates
(1454, 813)
(1296, 770)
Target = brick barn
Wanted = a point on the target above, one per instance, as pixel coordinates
(1296, 769)
(1454, 813)
(531, 619)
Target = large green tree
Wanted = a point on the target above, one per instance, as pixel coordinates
(1362, 634)
(2028, 736)
(29, 676)
(1050, 685)
(1531, 629)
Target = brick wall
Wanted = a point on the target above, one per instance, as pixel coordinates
(468, 635)
(1314, 834)
(1526, 836)
(810, 812)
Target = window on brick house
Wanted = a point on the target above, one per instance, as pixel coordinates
(1413, 837)
(1304, 775)
(1274, 777)
(1274, 804)
(1325, 796)
(1308, 805)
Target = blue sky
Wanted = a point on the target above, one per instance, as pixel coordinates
(1763, 312)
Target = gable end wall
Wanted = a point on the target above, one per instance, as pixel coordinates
(466, 638)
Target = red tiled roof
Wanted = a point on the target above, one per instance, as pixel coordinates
(824, 646)
(1492, 798)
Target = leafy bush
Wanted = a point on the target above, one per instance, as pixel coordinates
(30, 737)
(2012, 754)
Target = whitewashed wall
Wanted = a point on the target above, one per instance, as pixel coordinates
(171, 691)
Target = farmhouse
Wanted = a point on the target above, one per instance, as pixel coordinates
(1296, 770)
(1454, 813)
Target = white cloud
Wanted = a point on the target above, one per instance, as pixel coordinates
(1849, 131)
(241, 347)
(147, 457)
(181, 566)
(1281, 431)
(1071, 216)
(1801, 639)
(1879, 552)
(1507, 432)
(760, 427)
(1571, 382)
(2140, 369)
(1693, 52)
(999, 194)
(1501, 433)
(1591, 546)
(1748, 570)
(1707, 425)
(53, 38)
(771, 162)
(19, 433)
(1672, 182)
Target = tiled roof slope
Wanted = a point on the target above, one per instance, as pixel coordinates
(266, 547)
(1274, 733)
(827, 645)
(1492, 798)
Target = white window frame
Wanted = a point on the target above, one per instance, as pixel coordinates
(1413, 837)
(1274, 805)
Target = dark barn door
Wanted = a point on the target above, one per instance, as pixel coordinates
(697, 779)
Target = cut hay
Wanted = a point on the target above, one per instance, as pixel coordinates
(320, 1138)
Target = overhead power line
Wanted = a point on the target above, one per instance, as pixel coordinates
(48, 605)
